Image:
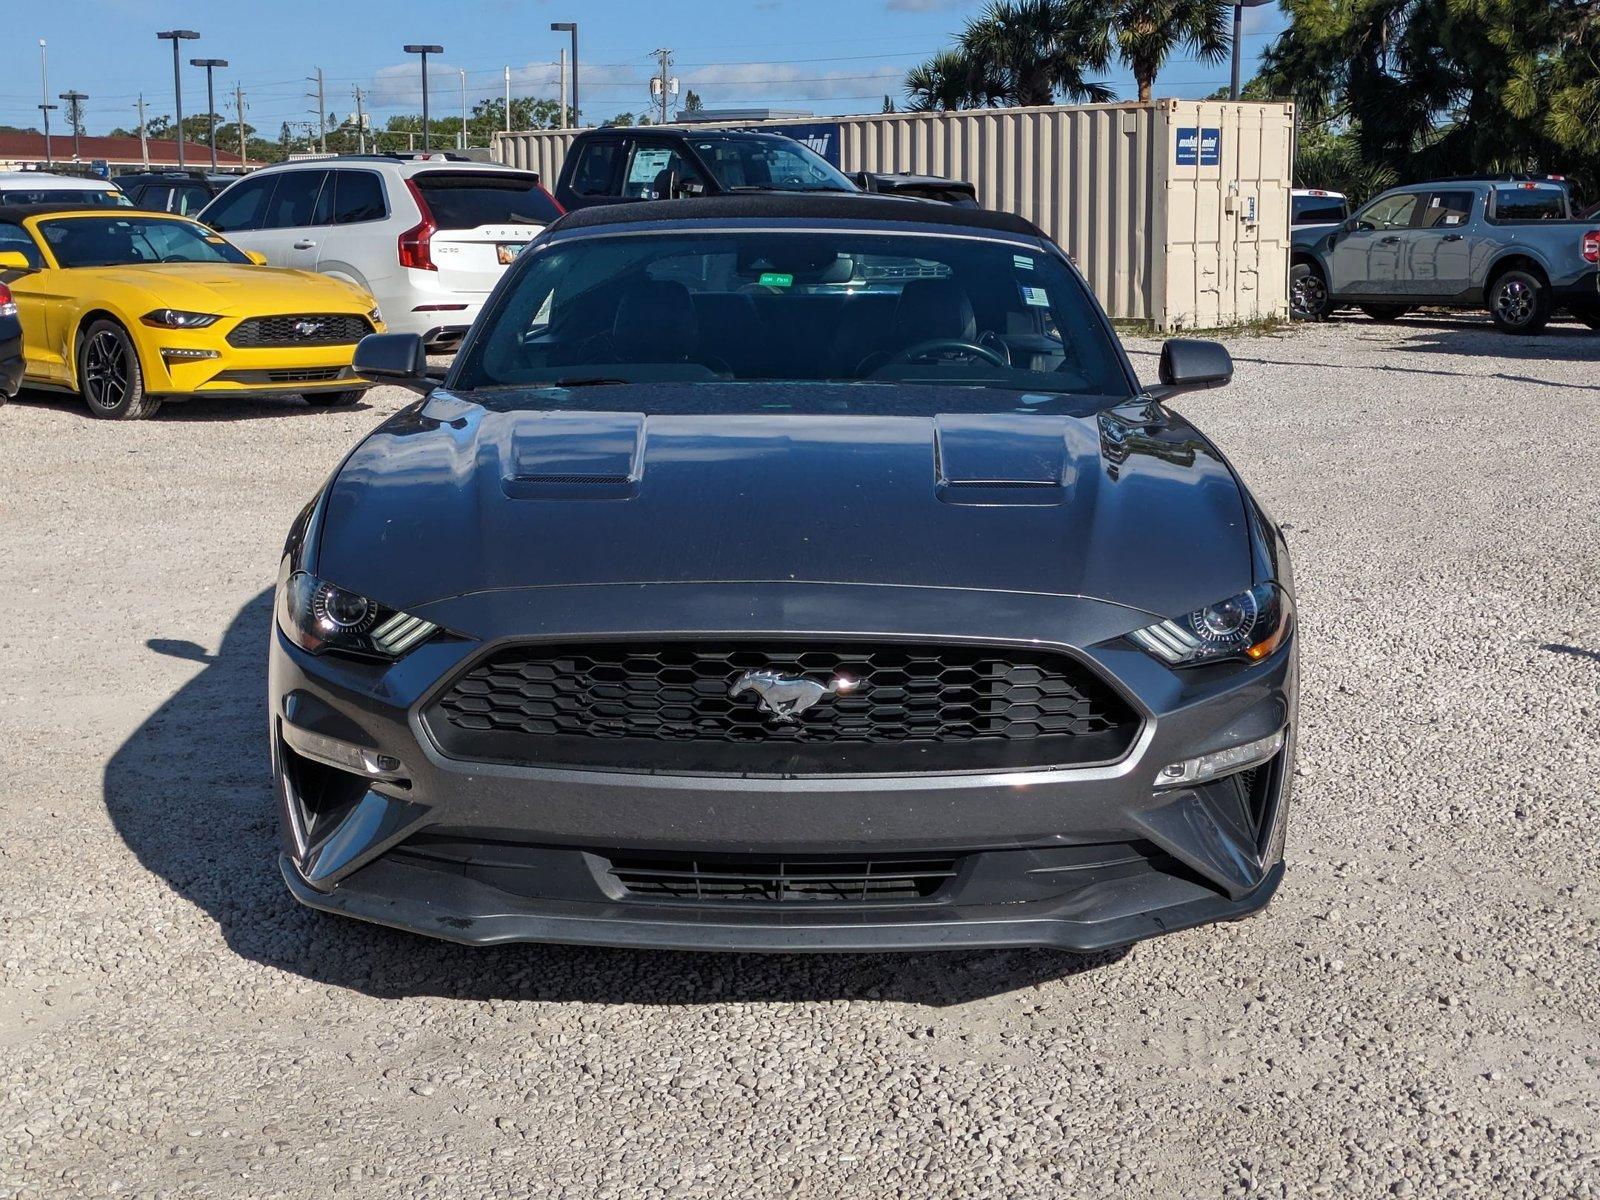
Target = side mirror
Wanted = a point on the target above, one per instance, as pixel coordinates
(14, 260)
(1190, 365)
(256, 257)
(394, 358)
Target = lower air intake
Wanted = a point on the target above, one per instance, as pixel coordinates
(859, 881)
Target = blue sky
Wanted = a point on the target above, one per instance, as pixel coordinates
(826, 56)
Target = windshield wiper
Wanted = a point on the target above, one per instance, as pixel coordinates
(577, 381)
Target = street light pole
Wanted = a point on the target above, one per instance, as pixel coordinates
(175, 36)
(463, 71)
(572, 28)
(44, 105)
(1238, 35)
(74, 101)
(424, 51)
(211, 103)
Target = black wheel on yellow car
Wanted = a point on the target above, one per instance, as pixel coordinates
(109, 376)
(342, 399)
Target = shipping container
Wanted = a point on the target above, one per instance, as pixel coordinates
(1176, 211)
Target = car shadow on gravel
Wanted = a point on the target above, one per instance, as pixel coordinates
(189, 792)
(208, 408)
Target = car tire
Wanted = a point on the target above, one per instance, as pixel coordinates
(342, 399)
(110, 379)
(1519, 301)
(1385, 312)
(1308, 293)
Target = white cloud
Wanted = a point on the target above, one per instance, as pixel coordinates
(756, 81)
(400, 86)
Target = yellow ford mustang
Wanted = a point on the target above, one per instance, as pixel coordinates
(130, 308)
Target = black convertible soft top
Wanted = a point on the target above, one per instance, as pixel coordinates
(814, 206)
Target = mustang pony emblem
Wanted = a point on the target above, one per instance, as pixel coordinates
(307, 328)
(785, 697)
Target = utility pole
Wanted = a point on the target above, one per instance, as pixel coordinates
(322, 111)
(463, 71)
(74, 99)
(508, 99)
(238, 119)
(663, 86)
(361, 126)
(563, 62)
(144, 142)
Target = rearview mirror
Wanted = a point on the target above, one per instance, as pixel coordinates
(394, 358)
(1189, 365)
(14, 260)
(256, 257)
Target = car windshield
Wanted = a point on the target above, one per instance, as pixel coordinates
(1318, 210)
(124, 241)
(769, 164)
(836, 306)
(80, 197)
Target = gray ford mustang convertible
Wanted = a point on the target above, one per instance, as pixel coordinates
(783, 572)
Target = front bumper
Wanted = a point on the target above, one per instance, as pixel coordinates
(1082, 858)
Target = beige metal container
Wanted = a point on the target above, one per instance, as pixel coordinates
(1176, 211)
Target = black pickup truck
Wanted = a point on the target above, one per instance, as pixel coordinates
(1510, 245)
(617, 164)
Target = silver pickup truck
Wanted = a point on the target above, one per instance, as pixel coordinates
(1511, 246)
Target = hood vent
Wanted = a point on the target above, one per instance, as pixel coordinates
(576, 456)
(1002, 458)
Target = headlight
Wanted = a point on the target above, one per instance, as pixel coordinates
(316, 616)
(176, 318)
(1250, 626)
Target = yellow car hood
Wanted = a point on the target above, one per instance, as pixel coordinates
(232, 291)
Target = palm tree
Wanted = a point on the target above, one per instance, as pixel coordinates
(1017, 52)
(949, 80)
(1146, 32)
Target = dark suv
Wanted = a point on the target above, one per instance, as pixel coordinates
(622, 163)
(182, 192)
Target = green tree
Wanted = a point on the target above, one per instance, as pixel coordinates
(1020, 52)
(1426, 88)
(692, 102)
(1146, 32)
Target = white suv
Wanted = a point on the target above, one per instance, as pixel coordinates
(428, 235)
(43, 187)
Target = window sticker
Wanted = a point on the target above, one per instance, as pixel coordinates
(775, 279)
(1035, 297)
(1023, 262)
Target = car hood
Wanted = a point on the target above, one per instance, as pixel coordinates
(1131, 505)
(230, 289)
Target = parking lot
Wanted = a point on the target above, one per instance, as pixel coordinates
(1416, 1014)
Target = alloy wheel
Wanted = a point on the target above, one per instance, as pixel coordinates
(1308, 295)
(105, 374)
(1514, 300)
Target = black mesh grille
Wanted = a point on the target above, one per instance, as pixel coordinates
(305, 329)
(860, 881)
(889, 709)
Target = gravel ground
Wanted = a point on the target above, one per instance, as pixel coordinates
(1415, 1015)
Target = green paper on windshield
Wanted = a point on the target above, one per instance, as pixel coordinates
(775, 279)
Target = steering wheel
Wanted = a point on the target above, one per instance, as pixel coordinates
(949, 345)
